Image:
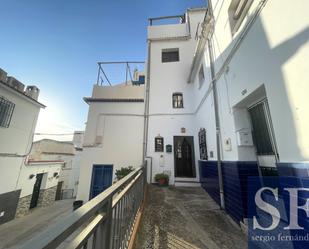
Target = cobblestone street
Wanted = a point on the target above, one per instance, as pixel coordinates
(186, 218)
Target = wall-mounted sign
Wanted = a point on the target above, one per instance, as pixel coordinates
(168, 148)
(183, 130)
(159, 144)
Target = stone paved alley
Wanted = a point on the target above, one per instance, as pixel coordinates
(186, 218)
(18, 231)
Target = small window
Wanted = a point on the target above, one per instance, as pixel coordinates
(237, 12)
(159, 144)
(202, 144)
(201, 76)
(6, 112)
(177, 100)
(170, 55)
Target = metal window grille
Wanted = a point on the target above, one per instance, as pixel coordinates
(170, 55)
(202, 144)
(159, 144)
(177, 100)
(261, 133)
(6, 112)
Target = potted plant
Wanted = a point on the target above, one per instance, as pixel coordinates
(121, 173)
(162, 179)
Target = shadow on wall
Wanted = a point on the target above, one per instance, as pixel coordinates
(255, 63)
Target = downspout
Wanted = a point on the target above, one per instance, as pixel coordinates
(146, 111)
(216, 109)
(217, 120)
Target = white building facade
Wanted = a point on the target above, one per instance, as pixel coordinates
(67, 152)
(260, 76)
(113, 136)
(23, 185)
(171, 99)
(225, 98)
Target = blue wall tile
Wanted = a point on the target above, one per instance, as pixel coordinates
(209, 179)
(293, 169)
(235, 175)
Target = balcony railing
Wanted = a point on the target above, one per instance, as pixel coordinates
(177, 18)
(107, 221)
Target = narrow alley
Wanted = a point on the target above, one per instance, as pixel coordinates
(16, 232)
(186, 217)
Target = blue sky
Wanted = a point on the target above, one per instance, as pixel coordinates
(55, 45)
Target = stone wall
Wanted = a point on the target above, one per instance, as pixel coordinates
(47, 196)
(23, 206)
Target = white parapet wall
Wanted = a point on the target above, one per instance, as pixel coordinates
(114, 132)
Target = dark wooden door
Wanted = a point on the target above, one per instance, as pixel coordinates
(59, 191)
(102, 176)
(184, 156)
(36, 191)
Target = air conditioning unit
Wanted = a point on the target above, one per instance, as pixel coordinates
(14, 83)
(3, 76)
(33, 92)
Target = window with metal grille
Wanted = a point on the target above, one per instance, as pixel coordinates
(261, 133)
(202, 144)
(177, 100)
(159, 144)
(6, 112)
(237, 12)
(201, 76)
(170, 55)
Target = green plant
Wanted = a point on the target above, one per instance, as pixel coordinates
(161, 177)
(121, 173)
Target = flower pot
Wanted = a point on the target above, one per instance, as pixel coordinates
(162, 182)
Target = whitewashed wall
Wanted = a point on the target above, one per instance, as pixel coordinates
(120, 128)
(166, 79)
(16, 139)
(48, 169)
(271, 57)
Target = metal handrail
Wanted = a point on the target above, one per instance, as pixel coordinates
(102, 76)
(97, 220)
(182, 18)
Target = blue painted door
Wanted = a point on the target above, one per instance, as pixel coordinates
(101, 179)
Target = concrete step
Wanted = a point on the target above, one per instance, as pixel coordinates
(187, 184)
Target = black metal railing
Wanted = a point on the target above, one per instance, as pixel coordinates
(177, 18)
(102, 77)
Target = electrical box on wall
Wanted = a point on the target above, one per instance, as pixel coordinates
(227, 144)
(244, 137)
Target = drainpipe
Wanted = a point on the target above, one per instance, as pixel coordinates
(216, 109)
(150, 169)
(146, 112)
